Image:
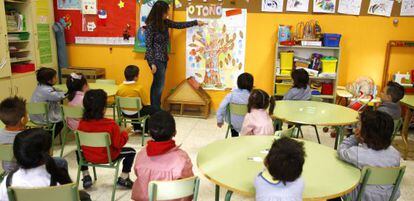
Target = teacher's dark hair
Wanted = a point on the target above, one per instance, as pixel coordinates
(155, 17)
(94, 103)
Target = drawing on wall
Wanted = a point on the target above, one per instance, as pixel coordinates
(407, 8)
(324, 6)
(272, 6)
(380, 7)
(350, 7)
(68, 4)
(297, 5)
(215, 53)
(89, 7)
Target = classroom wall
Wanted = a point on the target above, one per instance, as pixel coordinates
(363, 49)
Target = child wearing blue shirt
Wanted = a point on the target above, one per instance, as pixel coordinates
(300, 89)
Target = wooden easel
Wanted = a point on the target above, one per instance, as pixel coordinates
(391, 44)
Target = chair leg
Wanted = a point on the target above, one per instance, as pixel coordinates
(300, 130)
(317, 134)
(78, 175)
(228, 131)
(115, 181)
(94, 174)
(143, 134)
(228, 195)
(65, 130)
(217, 195)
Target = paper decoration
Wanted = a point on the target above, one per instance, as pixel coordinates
(380, 7)
(324, 6)
(103, 40)
(407, 8)
(88, 23)
(205, 10)
(272, 6)
(297, 5)
(89, 7)
(121, 4)
(350, 7)
(178, 4)
(215, 53)
(102, 16)
(68, 4)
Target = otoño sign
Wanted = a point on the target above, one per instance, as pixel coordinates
(205, 11)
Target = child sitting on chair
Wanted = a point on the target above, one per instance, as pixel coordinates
(301, 89)
(161, 159)
(390, 100)
(239, 95)
(94, 121)
(282, 179)
(131, 88)
(371, 146)
(257, 121)
(77, 87)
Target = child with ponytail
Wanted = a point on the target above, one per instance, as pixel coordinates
(257, 121)
(77, 87)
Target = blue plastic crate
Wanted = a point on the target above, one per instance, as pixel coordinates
(331, 40)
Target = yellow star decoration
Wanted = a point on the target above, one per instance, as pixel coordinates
(121, 4)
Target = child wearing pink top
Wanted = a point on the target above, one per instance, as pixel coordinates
(161, 159)
(257, 121)
(77, 86)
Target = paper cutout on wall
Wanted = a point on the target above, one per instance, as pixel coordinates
(407, 8)
(102, 16)
(324, 6)
(297, 5)
(88, 23)
(380, 7)
(68, 4)
(215, 54)
(121, 4)
(89, 7)
(272, 6)
(349, 7)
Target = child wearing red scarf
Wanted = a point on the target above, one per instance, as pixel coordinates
(161, 159)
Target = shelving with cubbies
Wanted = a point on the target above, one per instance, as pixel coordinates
(282, 83)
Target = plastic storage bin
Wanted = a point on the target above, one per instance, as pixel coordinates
(282, 88)
(327, 89)
(23, 68)
(329, 64)
(286, 60)
(331, 40)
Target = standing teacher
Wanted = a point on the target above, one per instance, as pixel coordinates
(157, 40)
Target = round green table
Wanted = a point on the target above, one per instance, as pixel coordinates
(227, 163)
(110, 89)
(315, 114)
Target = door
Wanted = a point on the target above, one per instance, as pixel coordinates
(6, 88)
(5, 69)
(24, 85)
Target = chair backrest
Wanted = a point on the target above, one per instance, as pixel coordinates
(96, 139)
(286, 133)
(6, 152)
(169, 190)
(72, 112)
(237, 109)
(397, 127)
(2, 124)
(105, 81)
(128, 103)
(381, 176)
(67, 192)
(316, 99)
(40, 108)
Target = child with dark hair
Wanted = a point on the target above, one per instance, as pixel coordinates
(77, 86)
(45, 92)
(282, 179)
(93, 121)
(371, 146)
(300, 89)
(257, 121)
(131, 88)
(239, 95)
(37, 169)
(390, 98)
(161, 159)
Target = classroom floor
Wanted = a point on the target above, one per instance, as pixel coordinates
(194, 134)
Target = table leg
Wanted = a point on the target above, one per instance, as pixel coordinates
(404, 133)
(339, 136)
(217, 193)
(228, 195)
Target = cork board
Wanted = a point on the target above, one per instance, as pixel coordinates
(255, 6)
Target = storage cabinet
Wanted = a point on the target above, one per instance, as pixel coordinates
(6, 88)
(20, 86)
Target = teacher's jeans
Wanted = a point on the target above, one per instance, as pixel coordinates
(158, 84)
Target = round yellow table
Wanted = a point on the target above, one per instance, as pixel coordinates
(110, 89)
(227, 163)
(316, 114)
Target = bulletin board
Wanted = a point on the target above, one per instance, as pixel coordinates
(255, 6)
(120, 14)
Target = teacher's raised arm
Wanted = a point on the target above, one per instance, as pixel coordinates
(157, 40)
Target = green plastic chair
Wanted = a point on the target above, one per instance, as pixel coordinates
(171, 190)
(41, 108)
(316, 99)
(95, 140)
(72, 113)
(290, 133)
(234, 109)
(67, 192)
(110, 82)
(397, 127)
(381, 176)
(2, 125)
(135, 105)
(6, 154)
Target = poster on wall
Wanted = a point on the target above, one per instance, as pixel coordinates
(407, 8)
(215, 53)
(68, 4)
(349, 7)
(275, 6)
(324, 6)
(380, 7)
(297, 6)
(89, 7)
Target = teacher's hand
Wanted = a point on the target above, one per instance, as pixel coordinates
(153, 68)
(201, 23)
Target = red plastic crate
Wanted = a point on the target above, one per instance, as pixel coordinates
(23, 68)
(327, 89)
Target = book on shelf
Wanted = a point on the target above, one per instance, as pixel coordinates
(311, 43)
